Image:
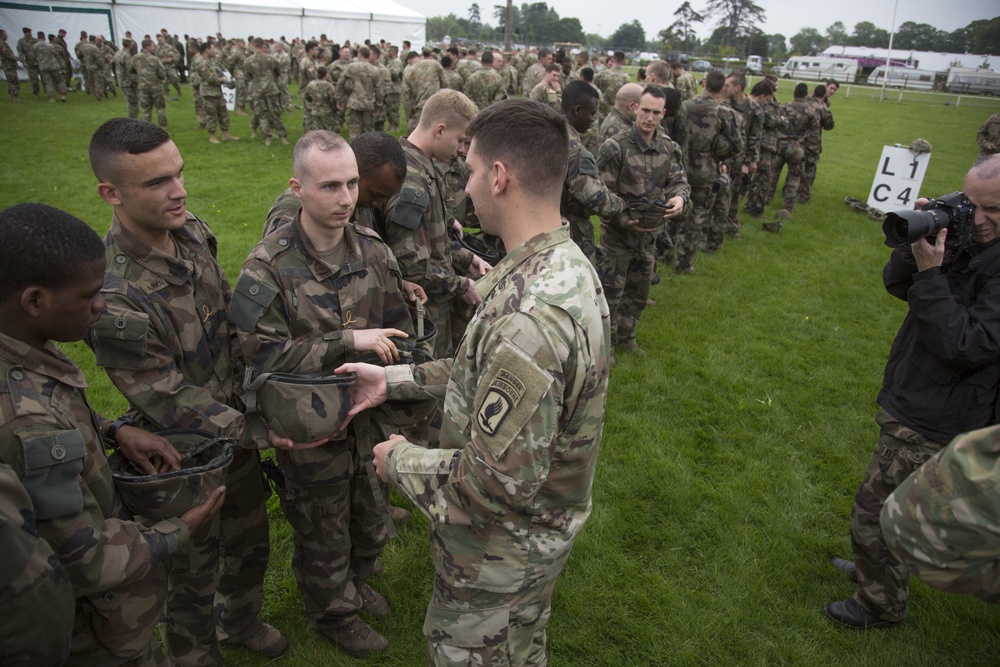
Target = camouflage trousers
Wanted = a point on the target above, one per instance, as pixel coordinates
(714, 229)
(98, 83)
(240, 102)
(218, 580)
(762, 191)
(13, 83)
(88, 79)
(33, 77)
(52, 81)
(689, 228)
(625, 264)
(391, 106)
(172, 80)
(581, 230)
(359, 121)
(266, 112)
(199, 107)
(151, 97)
(883, 586)
(131, 101)
(467, 626)
(808, 177)
(216, 113)
(790, 191)
(338, 527)
(312, 122)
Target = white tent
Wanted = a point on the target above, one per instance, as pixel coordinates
(356, 20)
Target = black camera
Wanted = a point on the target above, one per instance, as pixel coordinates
(954, 212)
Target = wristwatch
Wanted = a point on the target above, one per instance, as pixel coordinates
(109, 435)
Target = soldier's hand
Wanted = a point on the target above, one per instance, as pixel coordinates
(633, 226)
(151, 452)
(201, 515)
(377, 341)
(368, 390)
(470, 296)
(744, 169)
(278, 442)
(479, 267)
(379, 452)
(675, 205)
(414, 291)
(457, 226)
(723, 169)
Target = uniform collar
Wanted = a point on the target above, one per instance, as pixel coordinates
(50, 362)
(320, 269)
(518, 255)
(175, 271)
(655, 145)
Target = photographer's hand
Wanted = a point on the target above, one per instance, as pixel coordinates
(929, 256)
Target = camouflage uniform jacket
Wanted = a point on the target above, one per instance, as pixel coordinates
(49, 436)
(615, 123)
(319, 98)
(814, 140)
(584, 193)
(91, 56)
(421, 80)
(235, 60)
(210, 76)
(803, 121)
(466, 67)
(307, 71)
(677, 128)
(7, 56)
(988, 136)
(547, 95)
(531, 77)
(609, 81)
(510, 79)
(453, 80)
(165, 339)
(48, 56)
(687, 86)
(418, 229)
(751, 119)
(361, 87)
(148, 71)
(637, 171)
(485, 87)
(167, 54)
(774, 123)
(509, 489)
(714, 137)
(261, 72)
(24, 51)
(395, 67)
(334, 71)
(126, 79)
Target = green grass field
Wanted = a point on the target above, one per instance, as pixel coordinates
(734, 443)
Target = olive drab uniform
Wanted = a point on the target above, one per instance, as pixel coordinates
(814, 147)
(802, 121)
(509, 489)
(49, 437)
(261, 72)
(151, 75)
(213, 104)
(645, 176)
(765, 181)
(296, 313)
(166, 342)
(751, 119)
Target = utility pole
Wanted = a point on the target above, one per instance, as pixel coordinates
(507, 31)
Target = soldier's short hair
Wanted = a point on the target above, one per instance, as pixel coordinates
(375, 149)
(987, 167)
(672, 99)
(529, 138)
(487, 57)
(321, 71)
(654, 91)
(676, 65)
(587, 74)
(146, 43)
(204, 47)
(619, 56)
(801, 90)
(44, 246)
(258, 42)
(714, 81)
(447, 106)
(322, 140)
(119, 137)
(772, 78)
(552, 68)
(761, 89)
(834, 83)
(740, 79)
(819, 91)
(446, 61)
(374, 49)
(364, 53)
(311, 44)
(576, 93)
(659, 69)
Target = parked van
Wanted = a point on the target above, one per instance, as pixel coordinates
(981, 81)
(755, 65)
(903, 77)
(819, 68)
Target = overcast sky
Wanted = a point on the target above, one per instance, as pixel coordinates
(783, 16)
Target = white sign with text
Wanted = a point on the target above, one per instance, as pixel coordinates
(898, 178)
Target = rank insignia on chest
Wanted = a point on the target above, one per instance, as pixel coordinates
(504, 394)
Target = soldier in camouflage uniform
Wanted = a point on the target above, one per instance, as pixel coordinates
(941, 522)
(485, 86)
(213, 104)
(26, 56)
(319, 102)
(314, 294)
(609, 80)
(195, 58)
(814, 143)
(285, 67)
(168, 56)
(751, 119)
(392, 92)
(261, 74)
(308, 65)
(584, 193)
(988, 136)
(940, 380)
(764, 181)
(360, 91)
(418, 227)
(150, 73)
(453, 79)
(420, 81)
(534, 73)
(684, 81)
(92, 64)
(108, 51)
(8, 59)
(548, 91)
(166, 342)
(492, 490)
(802, 121)
(645, 168)
(55, 444)
(67, 65)
(126, 78)
(622, 115)
(49, 59)
(235, 61)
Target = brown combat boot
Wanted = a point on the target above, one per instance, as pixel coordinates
(373, 602)
(356, 637)
(265, 640)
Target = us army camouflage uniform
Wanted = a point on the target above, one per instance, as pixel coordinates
(523, 415)
(128, 81)
(941, 522)
(38, 600)
(386, 84)
(49, 59)
(67, 65)
(636, 172)
(362, 89)
(92, 63)
(687, 86)
(988, 136)
(765, 181)
(285, 67)
(532, 75)
(713, 137)
(168, 56)
(213, 104)
(28, 58)
(235, 61)
(510, 80)
(802, 120)
(751, 119)
(584, 194)
(319, 102)
(614, 123)
(150, 74)
(49, 438)
(814, 147)
(453, 80)
(418, 233)
(485, 87)
(167, 344)
(261, 73)
(392, 94)
(466, 67)
(609, 81)
(550, 96)
(297, 314)
(9, 61)
(420, 80)
(307, 71)
(195, 80)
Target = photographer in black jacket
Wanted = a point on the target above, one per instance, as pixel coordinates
(941, 380)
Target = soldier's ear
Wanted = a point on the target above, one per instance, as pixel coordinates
(35, 300)
(296, 186)
(109, 193)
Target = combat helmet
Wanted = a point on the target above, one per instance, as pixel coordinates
(301, 407)
(205, 460)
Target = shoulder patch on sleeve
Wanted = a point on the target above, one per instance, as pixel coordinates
(410, 207)
(250, 298)
(120, 339)
(588, 164)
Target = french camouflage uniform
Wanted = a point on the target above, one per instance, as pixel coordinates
(643, 175)
(167, 344)
(609, 81)
(584, 194)
(765, 180)
(485, 87)
(802, 121)
(591, 138)
(420, 80)
(988, 136)
(150, 74)
(813, 146)
(362, 90)
(35, 592)
(49, 437)
(677, 127)
(27, 56)
(128, 81)
(168, 56)
(319, 102)
(614, 123)
(543, 93)
(392, 94)
(751, 119)
(418, 233)
(213, 104)
(686, 85)
(941, 521)
(297, 313)
(9, 61)
(509, 489)
(49, 59)
(261, 73)
(195, 80)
